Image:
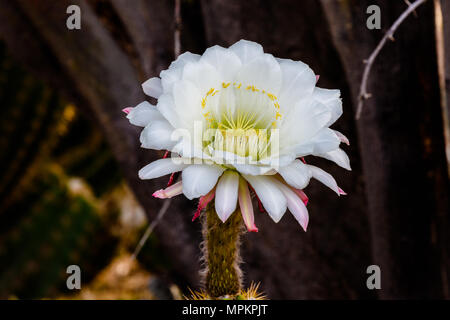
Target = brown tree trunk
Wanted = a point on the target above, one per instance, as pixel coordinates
(443, 32)
(402, 146)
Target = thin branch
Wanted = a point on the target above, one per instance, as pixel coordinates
(409, 3)
(177, 33)
(363, 94)
(152, 226)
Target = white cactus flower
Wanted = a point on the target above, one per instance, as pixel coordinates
(239, 120)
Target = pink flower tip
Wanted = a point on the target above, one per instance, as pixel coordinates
(253, 229)
(305, 223)
(317, 77)
(342, 192)
(127, 110)
(196, 215)
(159, 194)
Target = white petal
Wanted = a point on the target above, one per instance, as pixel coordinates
(247, 50)
(153, 87)
(226, 62)
(331, 99)
(187, 100)
(269, 194)
(166, 106)
(184, 58)
(262, 72)
(203, 75)
(199, 179)
(299, 150)
(187, 149)
(223, 103)
(298, 81)
(325, 140)
(295, 205)
(175, 71)
(326, 95)
(227, 194)
(305, 121)
(335, 107)
(158, 135)
(169, 77)
(339, 157)
(143, 114)
(296, 174)
(160, 168)
(251, 169)
(324, 177)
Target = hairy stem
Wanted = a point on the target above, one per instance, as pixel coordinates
(221, 253)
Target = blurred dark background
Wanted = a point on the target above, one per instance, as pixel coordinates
(69, 191)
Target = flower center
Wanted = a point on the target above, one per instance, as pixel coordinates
(240, 120)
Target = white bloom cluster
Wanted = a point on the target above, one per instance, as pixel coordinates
(238, 119)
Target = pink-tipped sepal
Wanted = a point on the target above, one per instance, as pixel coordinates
(127, 110)
(295, 204)
(203, 202)
(169, 192)
(246, 206)
(302, 195)
(342, 137)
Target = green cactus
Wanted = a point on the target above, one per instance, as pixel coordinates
(221, 253)
(59, 230)
(43, 227)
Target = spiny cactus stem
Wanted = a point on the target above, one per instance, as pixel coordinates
(221, 250)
